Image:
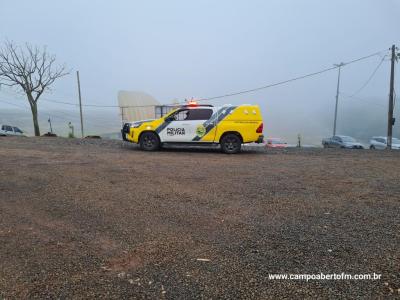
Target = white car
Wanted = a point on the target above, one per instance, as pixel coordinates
(341, 141)
(10, 130)
(380, 142)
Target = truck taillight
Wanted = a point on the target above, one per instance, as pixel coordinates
(260, 128)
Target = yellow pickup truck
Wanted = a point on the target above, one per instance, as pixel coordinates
(229, 126)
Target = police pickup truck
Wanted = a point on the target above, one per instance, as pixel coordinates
(228, 126)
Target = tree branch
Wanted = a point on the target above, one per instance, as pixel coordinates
(30, 68)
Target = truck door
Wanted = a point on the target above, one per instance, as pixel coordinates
(186, 124)
(206, 130)
(195, 121)
(175, 130)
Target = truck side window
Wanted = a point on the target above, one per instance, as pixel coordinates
(199, 114)
(181, 115)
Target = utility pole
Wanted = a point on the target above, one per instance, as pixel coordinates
(337, 96)
(80, 101)
(391, 100)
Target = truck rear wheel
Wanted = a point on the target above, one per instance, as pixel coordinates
(231, 144)
(149, 141)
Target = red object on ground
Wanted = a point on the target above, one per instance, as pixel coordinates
(276, 143)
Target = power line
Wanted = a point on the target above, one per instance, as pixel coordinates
(363, 100)
(249, 90)
(71, 103)
(228, 94)
(66, 116)
(9, 103)
(42, 99)
(290, 80)
(92, 105)
(370, 77)
(12, 93)
(22, 107)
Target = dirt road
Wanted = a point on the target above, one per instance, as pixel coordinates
(85, 219)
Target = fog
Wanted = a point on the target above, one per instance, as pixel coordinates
(184, 49)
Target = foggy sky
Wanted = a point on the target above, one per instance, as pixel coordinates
(183, 49)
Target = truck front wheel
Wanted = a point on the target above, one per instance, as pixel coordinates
(149, 141)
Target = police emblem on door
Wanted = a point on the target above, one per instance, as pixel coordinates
(200, 130)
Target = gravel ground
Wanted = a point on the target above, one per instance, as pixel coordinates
(102, 219)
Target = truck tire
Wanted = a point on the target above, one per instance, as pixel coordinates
(149, 141)
(231, 144)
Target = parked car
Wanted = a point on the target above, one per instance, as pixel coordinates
(276, 143)
(10, 130)
(380, 142)
(341, 141)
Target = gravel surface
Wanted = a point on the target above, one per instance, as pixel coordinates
(102, 219)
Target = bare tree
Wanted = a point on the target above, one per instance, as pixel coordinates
(31, 69)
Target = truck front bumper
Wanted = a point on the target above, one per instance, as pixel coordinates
(126, 133)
